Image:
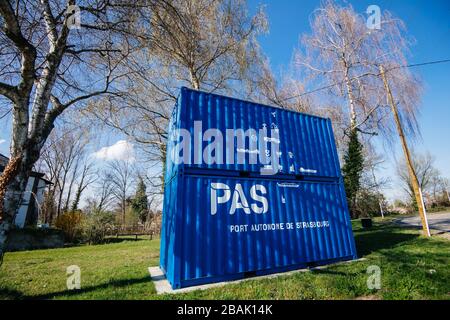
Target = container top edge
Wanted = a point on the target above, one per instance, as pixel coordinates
(251, 102)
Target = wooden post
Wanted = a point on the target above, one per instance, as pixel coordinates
(409, 164)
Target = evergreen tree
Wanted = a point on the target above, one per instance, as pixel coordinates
(139, 203)
(352, 170)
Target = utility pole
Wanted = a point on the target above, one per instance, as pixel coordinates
(409, 164)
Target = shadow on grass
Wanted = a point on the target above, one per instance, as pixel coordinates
(10, 294)
(381, 237)
(119, 240)
(333, 272)
(6, 293)
(110, 240)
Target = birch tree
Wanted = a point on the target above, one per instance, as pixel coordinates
(55, 55)
(343, 55)
(337, 52)
(351, 58)
(333, 52)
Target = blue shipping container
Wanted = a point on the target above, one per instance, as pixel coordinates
(223, 222)
(305, 144)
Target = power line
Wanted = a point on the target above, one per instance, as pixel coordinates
(364, 75)
(5, 114)
(423, 64)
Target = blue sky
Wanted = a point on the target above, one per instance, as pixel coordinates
(427, 21)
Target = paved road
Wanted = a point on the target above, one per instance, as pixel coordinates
(439, 222)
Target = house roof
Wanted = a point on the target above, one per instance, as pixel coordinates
(4, 161)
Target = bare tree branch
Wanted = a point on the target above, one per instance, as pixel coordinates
(8, 91)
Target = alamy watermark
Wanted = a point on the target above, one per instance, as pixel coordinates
(73, 13)
(74, 277)
(374, 17)
(374, 278)
(234, 146)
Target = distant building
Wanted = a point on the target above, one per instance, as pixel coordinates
(32, 198)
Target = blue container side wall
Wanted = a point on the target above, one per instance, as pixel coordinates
(348, 221)
(170, 203)
(168, 231)
(342, 189)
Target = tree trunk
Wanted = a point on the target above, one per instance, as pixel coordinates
(123, 211)
(80, 189)
(58, 208)
(76, 201)
(195, 82)
(50, 207)
(69, 195)
(351, 101)
(409, 163)
(6, 218)
(25, 152)
(13, 195)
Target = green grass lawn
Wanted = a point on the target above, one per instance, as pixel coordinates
(412, 268)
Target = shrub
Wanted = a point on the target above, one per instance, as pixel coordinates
(71, 224)
(368, 204)
(96, 226)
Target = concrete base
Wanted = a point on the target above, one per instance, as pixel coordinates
(162, 286)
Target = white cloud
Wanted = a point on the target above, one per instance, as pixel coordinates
(121, 150)
(2, 141)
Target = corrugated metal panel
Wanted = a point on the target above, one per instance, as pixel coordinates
(306, 142)
(199, 243)
(210, 249)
